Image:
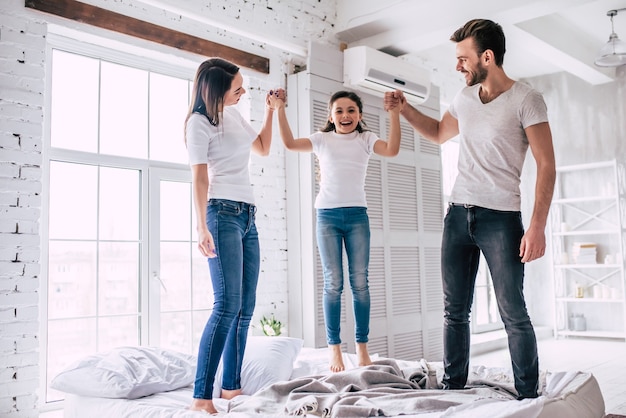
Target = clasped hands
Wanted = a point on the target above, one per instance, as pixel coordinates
(394, 100)
(276, 99)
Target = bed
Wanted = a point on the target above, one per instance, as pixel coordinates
(281, 378)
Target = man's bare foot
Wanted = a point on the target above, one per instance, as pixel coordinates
(336, 358)
(362, 355)
(205, 405)
(230, 394)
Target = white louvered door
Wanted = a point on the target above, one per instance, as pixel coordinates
(404, 196)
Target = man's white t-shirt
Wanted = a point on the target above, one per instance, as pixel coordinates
(225, 149)
(493, 144)
(343, 160)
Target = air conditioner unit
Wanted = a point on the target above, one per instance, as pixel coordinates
(371, 71)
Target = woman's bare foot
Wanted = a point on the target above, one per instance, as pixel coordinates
(230, 394)
(205, 405)
(362, 355)
(336, 358)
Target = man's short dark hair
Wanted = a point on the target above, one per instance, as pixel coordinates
(486, 35)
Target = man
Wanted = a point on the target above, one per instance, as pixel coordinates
(496, 119)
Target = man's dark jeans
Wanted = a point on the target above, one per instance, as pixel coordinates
(468, 230)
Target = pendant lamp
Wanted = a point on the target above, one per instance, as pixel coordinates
(613, 53)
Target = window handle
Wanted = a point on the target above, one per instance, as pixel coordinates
(156, 277)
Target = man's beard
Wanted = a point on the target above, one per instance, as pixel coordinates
(478, 76)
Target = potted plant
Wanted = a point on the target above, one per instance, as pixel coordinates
(271, 326)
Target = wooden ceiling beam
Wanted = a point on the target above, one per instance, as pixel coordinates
(106, 19)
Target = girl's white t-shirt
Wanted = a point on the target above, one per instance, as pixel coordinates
(343, 160)
(225, 149)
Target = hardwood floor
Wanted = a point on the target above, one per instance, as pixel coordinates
(605, 358)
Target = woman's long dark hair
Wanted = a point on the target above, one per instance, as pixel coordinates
(330, 127)
(213, 79)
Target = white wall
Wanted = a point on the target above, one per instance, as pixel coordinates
(22, 42)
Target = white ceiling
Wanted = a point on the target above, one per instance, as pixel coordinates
(543, 36)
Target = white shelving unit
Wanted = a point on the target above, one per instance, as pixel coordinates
(588, 230)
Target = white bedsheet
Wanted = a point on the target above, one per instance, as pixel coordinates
(569, 394)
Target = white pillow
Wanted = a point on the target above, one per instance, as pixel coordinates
(266, 360)
(127, 372)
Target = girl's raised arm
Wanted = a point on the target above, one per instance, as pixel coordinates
(277, 102)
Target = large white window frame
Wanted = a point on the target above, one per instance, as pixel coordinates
(151, 174)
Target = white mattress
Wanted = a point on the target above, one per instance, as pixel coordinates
(563, 394)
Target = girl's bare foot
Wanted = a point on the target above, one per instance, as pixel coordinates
(230, 394)
(336, 358)
(362, 355)
(205, 405)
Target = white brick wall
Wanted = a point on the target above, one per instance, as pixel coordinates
(23, 43)
(22, 78)
(268, 177)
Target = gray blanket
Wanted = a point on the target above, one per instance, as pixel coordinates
(381, 389)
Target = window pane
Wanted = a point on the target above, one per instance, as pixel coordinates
(124, 111)
(71, 279)
(481, 299)
(486, 306)
(119, 204)
(175, 211)
(118, 281)
(200, 319)
(176, 331)
(68, 341)
(482, 275)
(73, 199)
(117, 332)
(169, 102)
(201, 280)
(176, 276)
(74, 102)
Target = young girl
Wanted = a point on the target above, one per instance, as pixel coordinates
(219, 142)
(343, 149)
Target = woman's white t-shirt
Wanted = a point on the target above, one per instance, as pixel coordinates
(343, 160)
(225, 149)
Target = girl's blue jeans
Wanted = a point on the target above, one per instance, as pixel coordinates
(336, 228)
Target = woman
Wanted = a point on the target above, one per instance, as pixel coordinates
(219, 142)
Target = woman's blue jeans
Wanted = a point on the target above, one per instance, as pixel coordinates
(335, 228)
(234, 275)
(468, 230)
